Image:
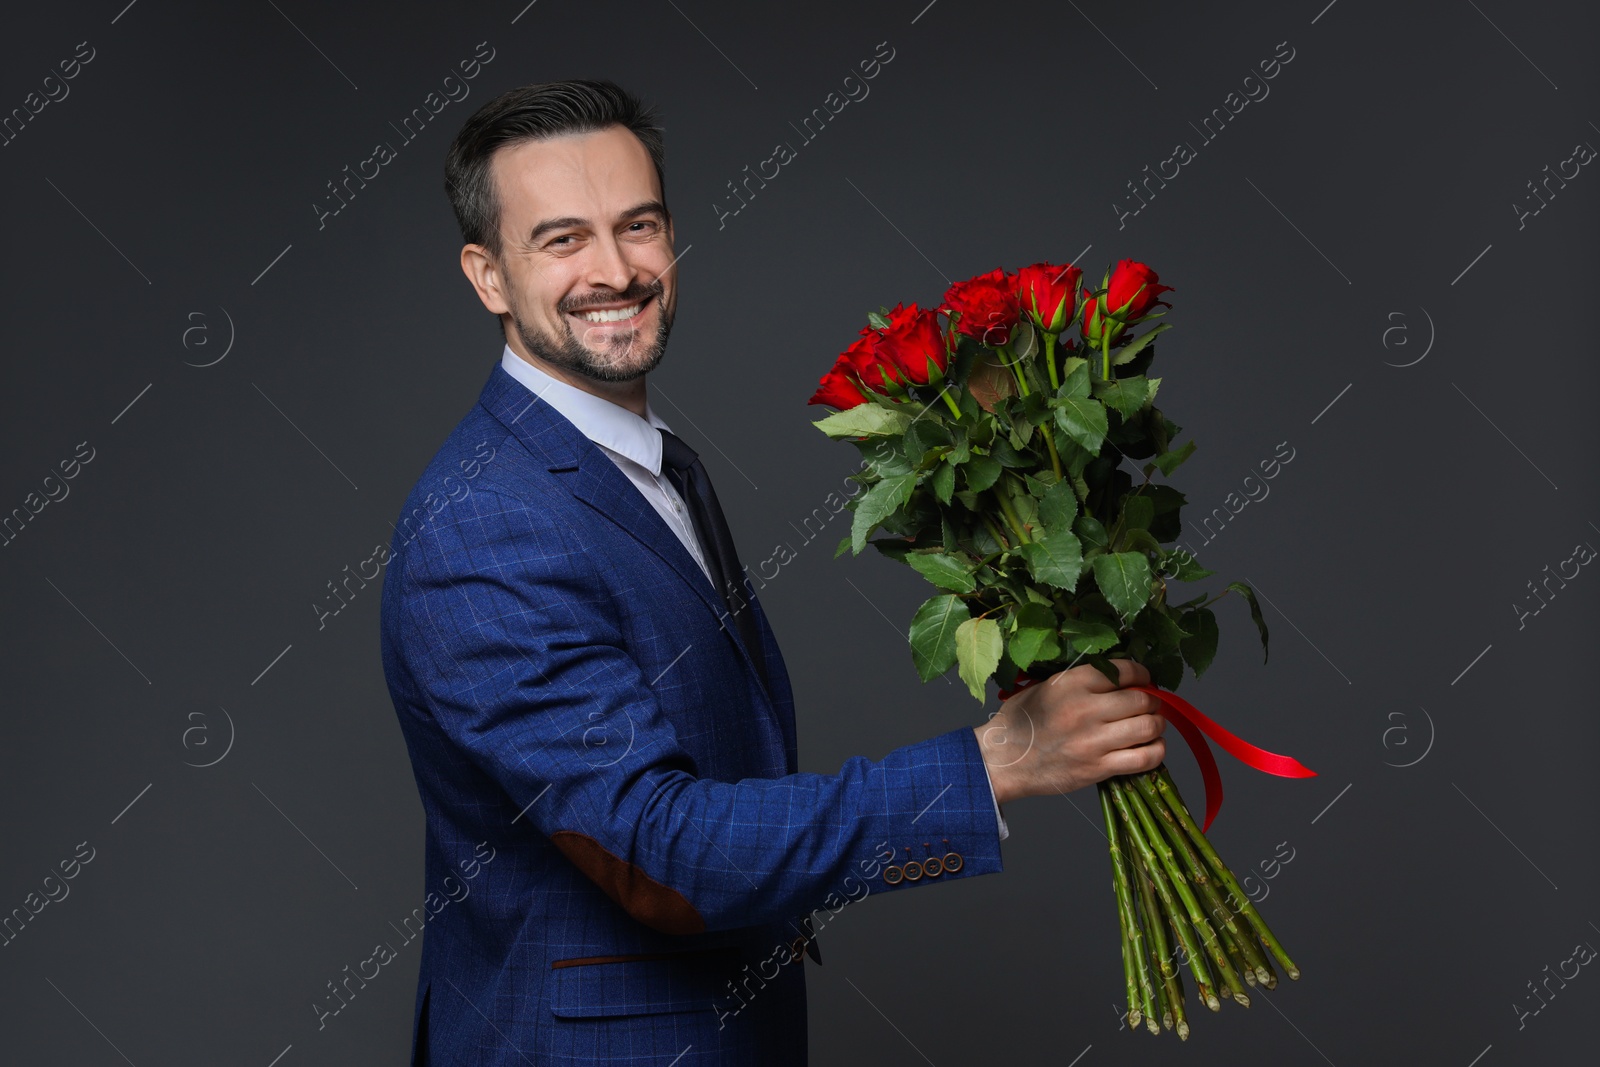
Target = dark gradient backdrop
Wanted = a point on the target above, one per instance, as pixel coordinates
(244, 384)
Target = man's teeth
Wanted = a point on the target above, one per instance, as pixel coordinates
(611, 316)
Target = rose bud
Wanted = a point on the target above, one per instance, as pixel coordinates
(912, 342)
(987, 306)
(1048, 294)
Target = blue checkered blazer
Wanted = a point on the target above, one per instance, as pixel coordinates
(622, 861)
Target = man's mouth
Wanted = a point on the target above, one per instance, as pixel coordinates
(613, 316)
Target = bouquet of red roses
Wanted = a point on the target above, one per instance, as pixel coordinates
(994, 435)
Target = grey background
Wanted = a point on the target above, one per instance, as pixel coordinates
(164, 607)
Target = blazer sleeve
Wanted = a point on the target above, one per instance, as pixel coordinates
(507, 638)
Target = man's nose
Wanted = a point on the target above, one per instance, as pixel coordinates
(609, 266)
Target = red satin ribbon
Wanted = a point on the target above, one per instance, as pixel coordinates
(1194, 725)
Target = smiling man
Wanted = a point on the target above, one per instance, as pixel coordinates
(598, 716)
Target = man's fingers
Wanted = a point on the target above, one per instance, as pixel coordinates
(1136, 730)
(1126, 704)
(1138, 759)
(1128, 673)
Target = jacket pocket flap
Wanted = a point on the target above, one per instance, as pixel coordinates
(638, 987)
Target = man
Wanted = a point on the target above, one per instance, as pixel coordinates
(597, 713)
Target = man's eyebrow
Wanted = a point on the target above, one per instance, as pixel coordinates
(647, 207)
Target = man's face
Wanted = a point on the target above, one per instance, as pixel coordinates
(585, 269)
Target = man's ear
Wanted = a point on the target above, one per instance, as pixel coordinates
(484, 271)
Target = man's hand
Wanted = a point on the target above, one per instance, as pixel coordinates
(1073, 730)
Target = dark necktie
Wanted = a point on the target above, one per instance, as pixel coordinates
(682, 464)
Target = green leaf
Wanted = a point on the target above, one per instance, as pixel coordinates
(933, 635)
(844, 543)
(1075, 377)
(1091, 532)
(960, 452)
(978, 648)
(1055, 559)
(1082, 419)
(1024, 340)
(1124, 578)
(895, 548)
(1058, 506)
(1030, 644)
(924, 435)
(877, 504)
(1160, 628)
(946, 572)
(1088, 634)
(877, 321)
(1171, 461)
(1200, 648)
(1137, 540)
(943, 482)
(1255, 613)
(884, 455)
(1036, 614)
(1137, 345)
(1168, 521)
(1104, 665)
(1166, 669)
(1179, 565)
(1127, 395)
(981, 472)
(1137, 511)
(1021, 429)
(864, 420)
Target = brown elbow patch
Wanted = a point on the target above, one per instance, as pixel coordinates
(658, 906)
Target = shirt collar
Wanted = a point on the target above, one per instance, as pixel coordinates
(608, 425)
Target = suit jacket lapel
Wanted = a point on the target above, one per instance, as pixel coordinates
(592, 477)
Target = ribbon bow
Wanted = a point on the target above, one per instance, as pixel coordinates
(1194, 725)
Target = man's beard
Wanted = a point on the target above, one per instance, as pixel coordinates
(571, 354)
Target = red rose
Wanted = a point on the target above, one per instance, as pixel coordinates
(913, 344)
(837, 389)
(866, 362)
(1133, 284)
(987, 306)
(1131, 294)
(1049, 294)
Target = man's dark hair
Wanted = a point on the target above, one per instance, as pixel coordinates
(531, 113)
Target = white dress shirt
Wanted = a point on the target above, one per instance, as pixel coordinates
(634, 445)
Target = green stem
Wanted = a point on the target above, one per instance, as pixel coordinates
(1141, 954)
(1050, 362)
(1119, 883)
(1197, 915)
(955, 409)
(1156, 931)
(1010, 515)
(1174, 984)
(1050, 443)
(994, 531)
(1238, 942)
(1175, 909)
(1169, 790)
(1105, 349)
(1016, 369)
